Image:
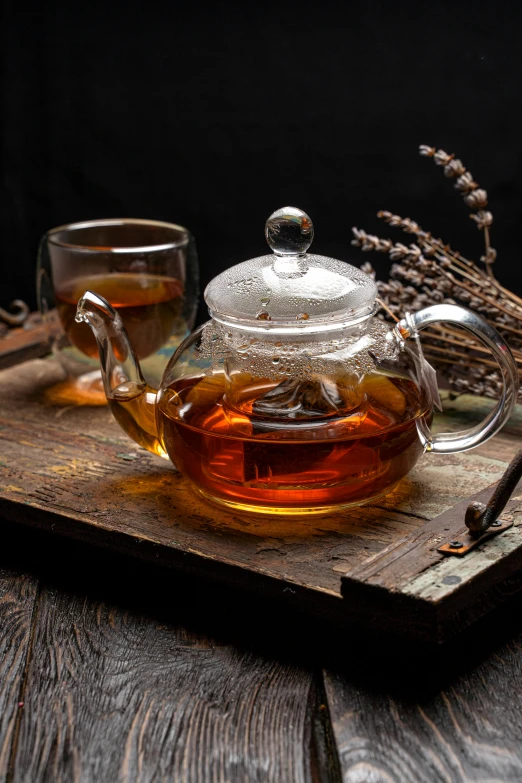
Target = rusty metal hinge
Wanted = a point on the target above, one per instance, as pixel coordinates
(484, 520)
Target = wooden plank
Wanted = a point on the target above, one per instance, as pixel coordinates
(120, 688)
(30, 341)
(455, 718)
(18, 592)
(469, 732)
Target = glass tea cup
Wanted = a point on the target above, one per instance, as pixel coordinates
(146, 269)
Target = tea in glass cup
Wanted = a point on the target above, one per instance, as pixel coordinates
(146, 269)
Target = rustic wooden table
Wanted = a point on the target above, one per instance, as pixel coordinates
(113, 669)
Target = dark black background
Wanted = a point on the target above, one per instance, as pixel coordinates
(214, 115)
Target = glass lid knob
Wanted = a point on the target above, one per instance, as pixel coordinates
(289, 232)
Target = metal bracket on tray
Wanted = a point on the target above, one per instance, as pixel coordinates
(484, 520)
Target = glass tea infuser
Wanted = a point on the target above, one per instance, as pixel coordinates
(294, 398)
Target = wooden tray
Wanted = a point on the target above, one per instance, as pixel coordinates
(72, 471)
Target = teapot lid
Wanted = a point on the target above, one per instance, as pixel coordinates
(290, 289)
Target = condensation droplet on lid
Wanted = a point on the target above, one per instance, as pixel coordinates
(243, 348)
(265, 300)
(275, 360)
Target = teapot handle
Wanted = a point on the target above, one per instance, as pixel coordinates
(450, 442)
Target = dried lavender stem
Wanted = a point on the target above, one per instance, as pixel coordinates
(440, 359)
(438, 349)
(468, 363)
(464, 262)
(516, 300)
(387, 309)
(473, 348)
(461, 341)
(477, 293)
(458, 271)
(439, 247)
(437, 244)
(486, 255)
(505, 328)
(450, 255)
(457, 342)
(470, 191)
(442, 251)
(508, 293)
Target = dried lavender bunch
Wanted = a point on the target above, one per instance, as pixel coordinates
(428, 271)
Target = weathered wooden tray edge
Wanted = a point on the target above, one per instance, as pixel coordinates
(439, 595)
(321, 603)
(430, 616)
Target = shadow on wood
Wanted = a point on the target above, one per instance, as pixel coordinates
(252, 622)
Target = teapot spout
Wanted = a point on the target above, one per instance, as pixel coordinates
(119, 363)
(131, 399)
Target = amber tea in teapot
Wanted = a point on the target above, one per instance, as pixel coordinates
(248, 458)
(294, 398)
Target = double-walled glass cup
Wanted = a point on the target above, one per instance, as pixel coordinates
(146, 269)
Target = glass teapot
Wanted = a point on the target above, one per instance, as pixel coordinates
(294, 398)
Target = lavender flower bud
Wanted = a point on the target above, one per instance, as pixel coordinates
(482, 219)
(454, 168)
(442, 158)
(466, 183)
(478, 199)
(426, 152)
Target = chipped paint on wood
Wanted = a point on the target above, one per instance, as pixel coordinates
(452, 574)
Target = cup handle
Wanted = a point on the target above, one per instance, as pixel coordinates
(450, 442)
